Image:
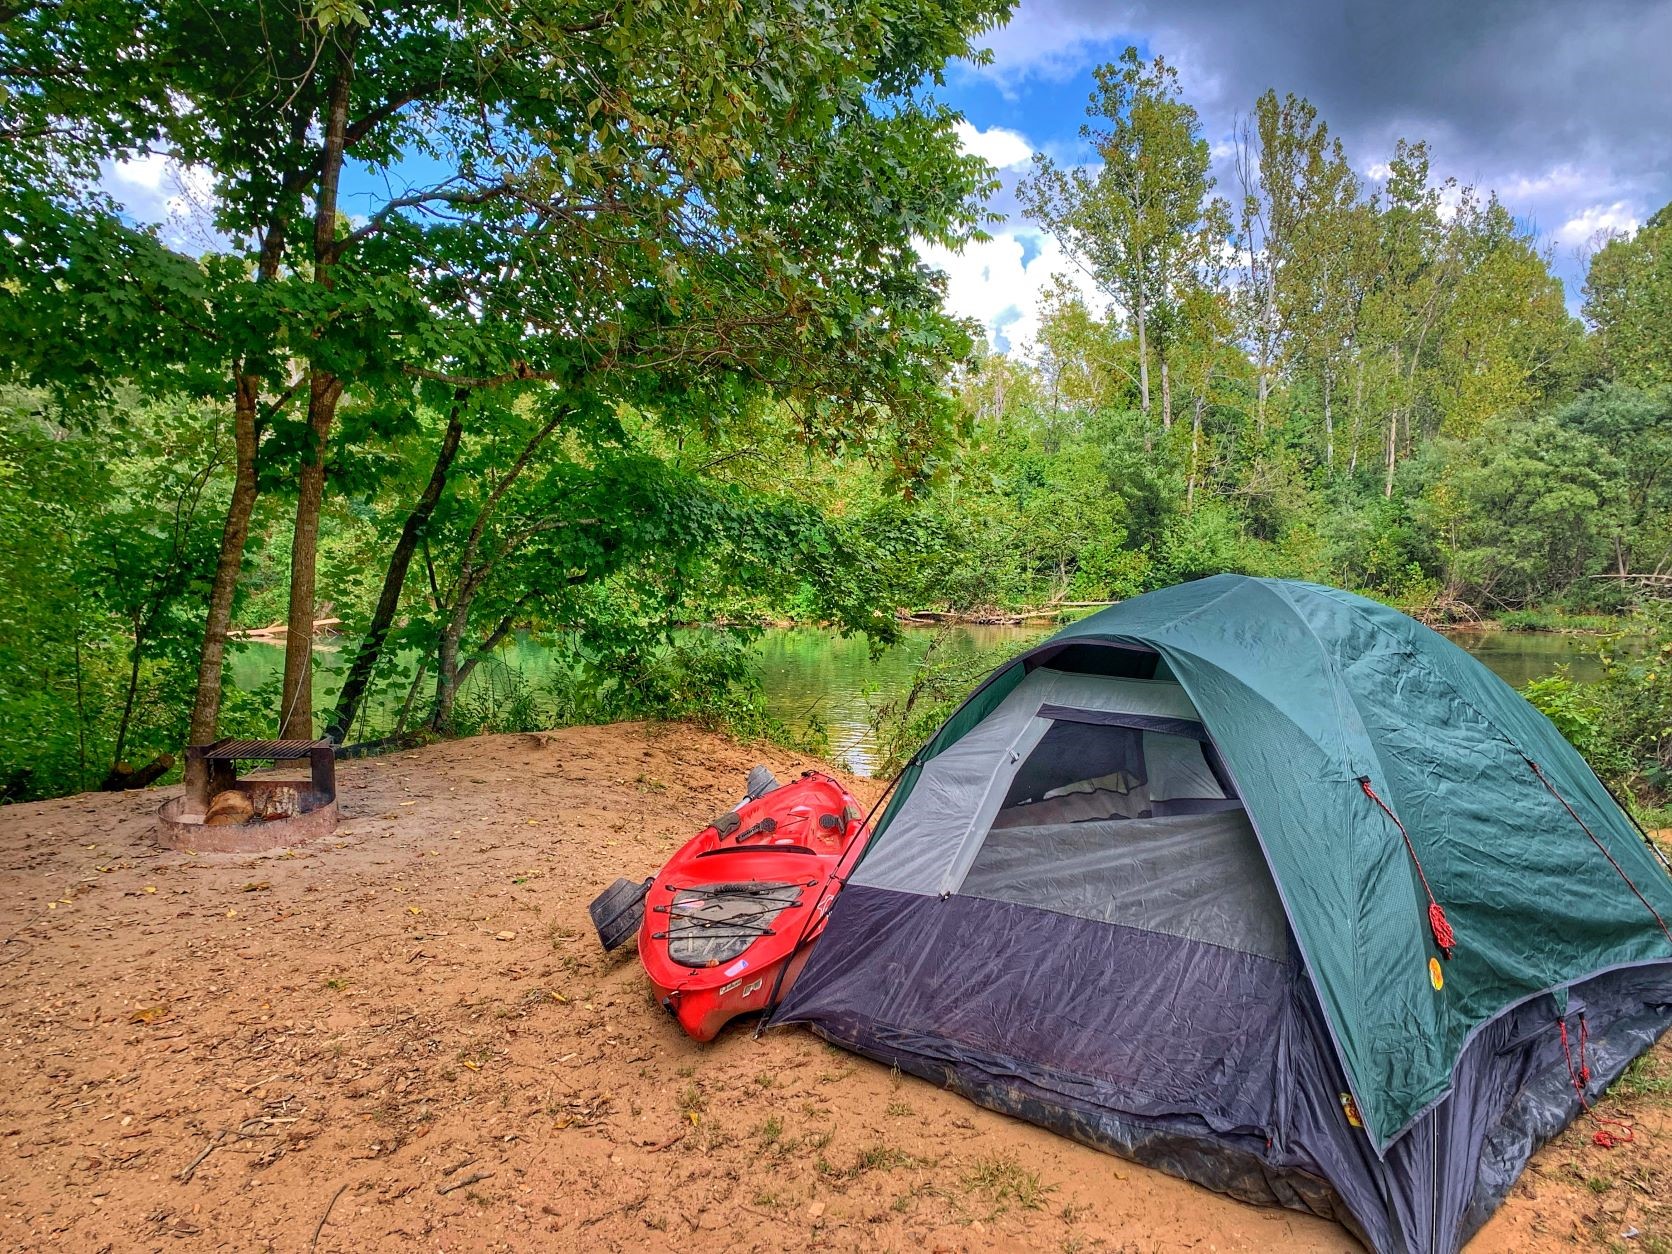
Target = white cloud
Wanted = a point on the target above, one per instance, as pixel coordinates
(179, 200)
(997, 146)
(146, 172)
(1596, 221)
(1561, 180)
(1000, 283)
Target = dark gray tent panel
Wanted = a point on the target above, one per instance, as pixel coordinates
(1111, 896)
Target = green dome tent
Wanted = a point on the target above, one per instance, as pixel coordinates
(1266, 884)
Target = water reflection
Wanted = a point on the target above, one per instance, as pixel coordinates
(809, 673)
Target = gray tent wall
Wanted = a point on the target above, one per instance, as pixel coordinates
(1132, 983)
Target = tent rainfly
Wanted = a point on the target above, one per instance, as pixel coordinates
(1266, 885)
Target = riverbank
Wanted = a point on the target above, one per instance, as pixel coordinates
(407, 1033)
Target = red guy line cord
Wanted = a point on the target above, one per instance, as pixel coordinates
(1444, 937)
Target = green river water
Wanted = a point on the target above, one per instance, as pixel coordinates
(809, 673)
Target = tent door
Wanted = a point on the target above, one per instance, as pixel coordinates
(998, 787)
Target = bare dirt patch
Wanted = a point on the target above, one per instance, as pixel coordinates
(406, 1033)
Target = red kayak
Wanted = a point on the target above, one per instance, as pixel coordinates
(728, 922)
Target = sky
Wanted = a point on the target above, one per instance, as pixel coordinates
(1563, 107)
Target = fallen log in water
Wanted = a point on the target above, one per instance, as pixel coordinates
(278, 631)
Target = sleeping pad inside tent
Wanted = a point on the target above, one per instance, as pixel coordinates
(1268, 886)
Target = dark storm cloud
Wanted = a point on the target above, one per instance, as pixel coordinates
(1564, 108)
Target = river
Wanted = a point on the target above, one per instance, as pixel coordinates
(809, 673)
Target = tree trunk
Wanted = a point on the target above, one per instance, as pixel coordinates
(394, 578)
(1141, 315)
(447, 667)
(136, 655)
(1358, 417)
(472, 575)
(411, 695)
(324, 391)
(1166, 395)
(296, 701)
(1329, 426)
(1393, 446)
(1195, 453)
(206, 708)
(1393, 436)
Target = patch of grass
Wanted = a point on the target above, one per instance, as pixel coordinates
(881, 1157)
(768, 1200)
(765, 1079)
(770, 1131)
(1648, 1076)
(878, 1157)
(691, 1100)
(1598, 1184)
(900, 1109)
(1004, 1181)
(336, 984)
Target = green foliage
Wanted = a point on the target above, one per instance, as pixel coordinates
(1557, 620)
(1559, 699)
(1622, 722)
(707, 676)
(645, 342)
(107, 539)
(1628, 297)
(902, 722)
(1519, 512)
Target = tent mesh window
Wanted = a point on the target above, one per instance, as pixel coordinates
(1129, 819)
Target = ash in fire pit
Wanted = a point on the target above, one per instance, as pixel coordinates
(220, 813)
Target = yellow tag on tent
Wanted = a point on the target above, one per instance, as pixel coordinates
(1350, 1108)
(1436, 977)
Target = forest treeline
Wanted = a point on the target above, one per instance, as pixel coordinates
(1378, 386)
(599, 320)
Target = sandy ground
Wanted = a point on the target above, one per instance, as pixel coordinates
(405, 1036)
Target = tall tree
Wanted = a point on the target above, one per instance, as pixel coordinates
(1628, 299)
(1142, 224)
(605, 180)
(1312, 248)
